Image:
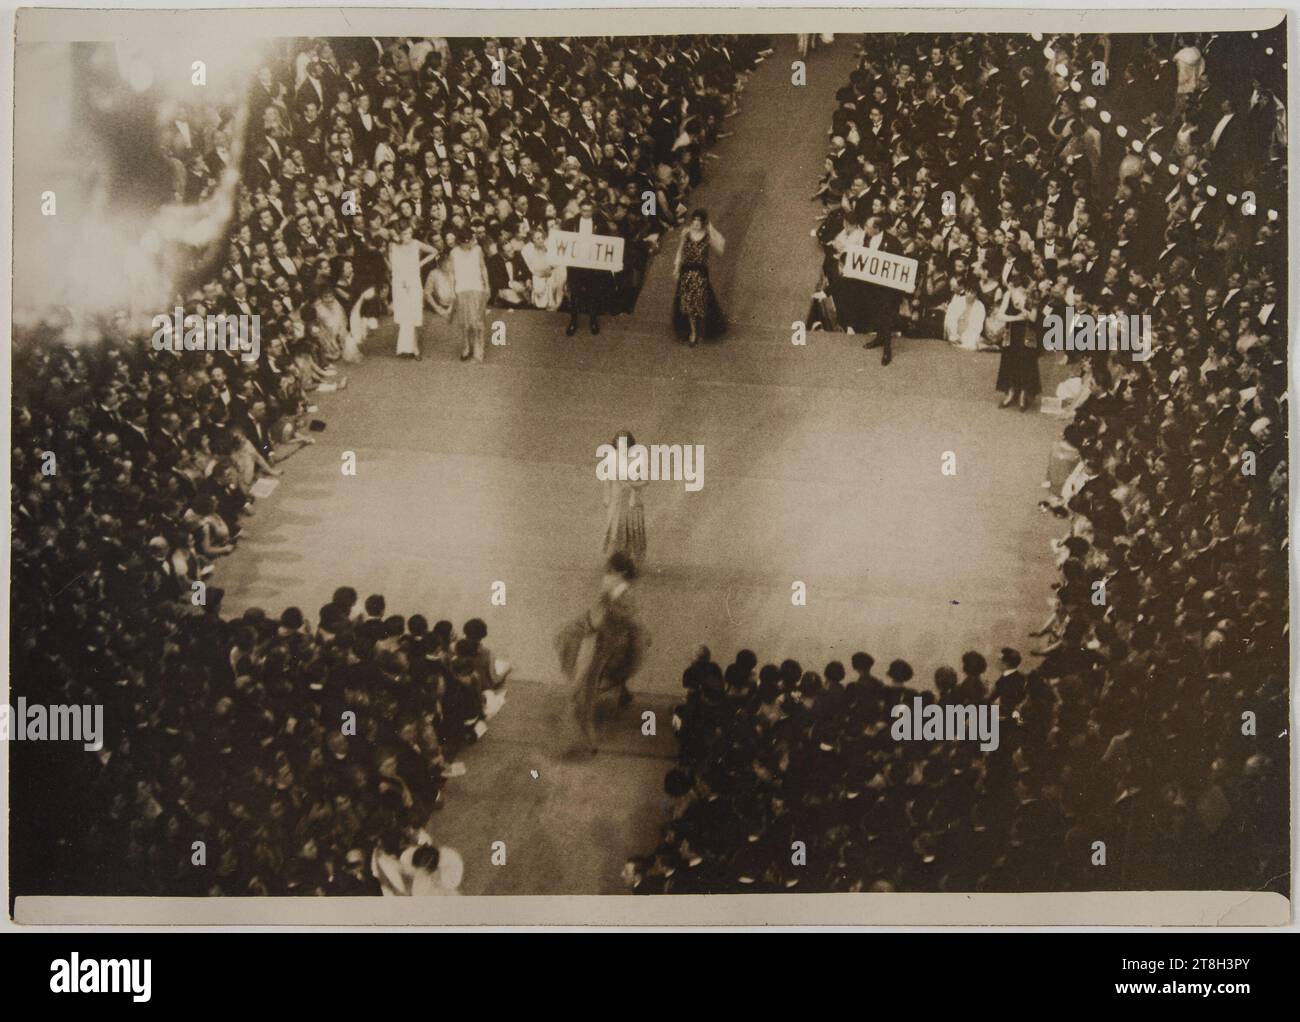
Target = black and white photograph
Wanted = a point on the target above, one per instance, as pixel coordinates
(484, 454)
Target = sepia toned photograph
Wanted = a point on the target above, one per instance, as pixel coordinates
(483, 454)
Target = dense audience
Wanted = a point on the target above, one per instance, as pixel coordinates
(135, 469)
(1149, 720)
(995, 157)
(131, 471)
(350, 140)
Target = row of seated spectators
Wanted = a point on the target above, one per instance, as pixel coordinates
(1150, 719)
(990, 158)
(351, 139)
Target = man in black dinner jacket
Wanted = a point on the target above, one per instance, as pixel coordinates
(882, 302)
(589, 290)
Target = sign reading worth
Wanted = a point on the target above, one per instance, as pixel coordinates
(876, 267)
(585, 251)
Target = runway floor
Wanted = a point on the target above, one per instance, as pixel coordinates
(820, 467)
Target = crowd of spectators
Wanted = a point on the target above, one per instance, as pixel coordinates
(996, 157)
(135, 469)
(1149, 720)
(352, 139)
(299, 756)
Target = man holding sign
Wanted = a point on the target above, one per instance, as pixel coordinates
(884, 271)
(587, 244)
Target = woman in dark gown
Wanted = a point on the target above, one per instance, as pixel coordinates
(1018, 367)
(603, 649)
(696, 313)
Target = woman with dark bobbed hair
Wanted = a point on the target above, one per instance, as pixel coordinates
(696, 312)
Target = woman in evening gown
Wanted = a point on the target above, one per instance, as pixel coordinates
(601, 651)
(696, 313)
(1018, 368)
(405, 265)
(625, 514)
(469, 278)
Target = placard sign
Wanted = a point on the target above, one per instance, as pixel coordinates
(585, 251)
(885, 268)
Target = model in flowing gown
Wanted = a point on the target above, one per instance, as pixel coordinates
(625, 519)
(1018, 367)
(469, 278)
(696, 312)
(408, 294)
(602, 650)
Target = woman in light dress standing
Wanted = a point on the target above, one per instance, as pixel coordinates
(625, 514)
(470, 278)
(408, 295)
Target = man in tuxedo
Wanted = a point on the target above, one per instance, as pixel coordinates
(1229, 145)
(365, 125)
(252, 423)
(508, 169)
(881, 303)
(134, 435)
(508, 277)
(1010, 687)
(589, 290)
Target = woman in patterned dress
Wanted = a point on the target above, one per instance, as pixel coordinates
(696, 313)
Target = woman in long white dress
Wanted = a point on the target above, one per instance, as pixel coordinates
(408, 295)
(625, 514)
